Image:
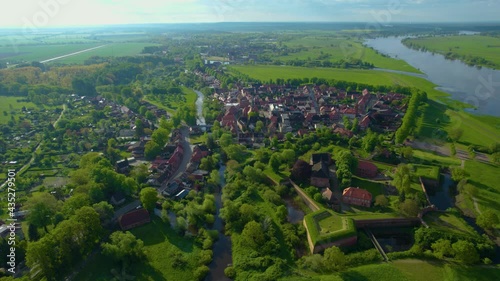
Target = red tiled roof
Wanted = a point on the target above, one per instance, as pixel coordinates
(134, 219)
(357, 193)
(367, 166)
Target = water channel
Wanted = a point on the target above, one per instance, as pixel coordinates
(478, 86)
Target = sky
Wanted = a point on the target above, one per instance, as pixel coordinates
(60, 13)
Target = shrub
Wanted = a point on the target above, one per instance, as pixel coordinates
(230, 272)
(201, 272)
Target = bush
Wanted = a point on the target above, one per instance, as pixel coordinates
(201, 272)
(230, 272)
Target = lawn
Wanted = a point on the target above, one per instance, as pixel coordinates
(409, 270)
(375, 188)
(10, 104)
(485, 47)
(324, 226)
(171, 103)
(426, 171)
(425, 156)
(160, 242)
(485, 177)
(447, 222)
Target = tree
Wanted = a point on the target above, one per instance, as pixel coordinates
(124, 247)
(139, 128)
(282, 213)
(487, 220)
(402, 178)
(381, 200)
(274, 162)
(152, 150)
(495, 157)
(105, 211)
(456, 133)
(140, 173)
(465, 252)
(253, 235)
(42, 207)
(148, 197)
(334, 259)
(160, 136)
(442, 248)
(301, 170)
(259, 125)
(288, 156)
(225, 140)
(407, 152)
(458, 174)
(75, 202)
(409, 208)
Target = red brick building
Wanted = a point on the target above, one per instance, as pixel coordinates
(357, 196)
(366, 169)
(134, 219)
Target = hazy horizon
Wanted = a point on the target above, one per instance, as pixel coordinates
(72, 13)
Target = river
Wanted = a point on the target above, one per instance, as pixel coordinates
(222, 248)
(477, 86)
(200, 120)
(222, 256)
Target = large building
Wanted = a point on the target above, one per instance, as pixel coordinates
(357, 196)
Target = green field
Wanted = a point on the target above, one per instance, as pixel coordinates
(370, 77)
(160, 242)
(171, 103)
(326, 226)
(375, 188)
(41, 52)
(448, 222)
(485, 177)
(9, 105)
(109, 50)
(47, 51)
(337, 48)
(409, 270)
(425, 171)
(464, 47)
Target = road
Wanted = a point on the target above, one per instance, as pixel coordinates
(188, 152)
(72, 54)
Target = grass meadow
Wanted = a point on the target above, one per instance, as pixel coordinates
(9, 105)
(337, 48)
(160, 243)
(464, 45)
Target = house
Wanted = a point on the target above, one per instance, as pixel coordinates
(122, 166)
(357, 196)
(118, 198)
(319, 157)
(134, 219)
(366, 169)
(182, 194)
(320, 176)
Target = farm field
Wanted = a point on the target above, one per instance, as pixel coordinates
(40, 52)
(485, 178)
(337, 48)
(464, 46)
(112, 49)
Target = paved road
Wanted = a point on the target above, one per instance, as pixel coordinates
(72, 54)
(188, 152)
